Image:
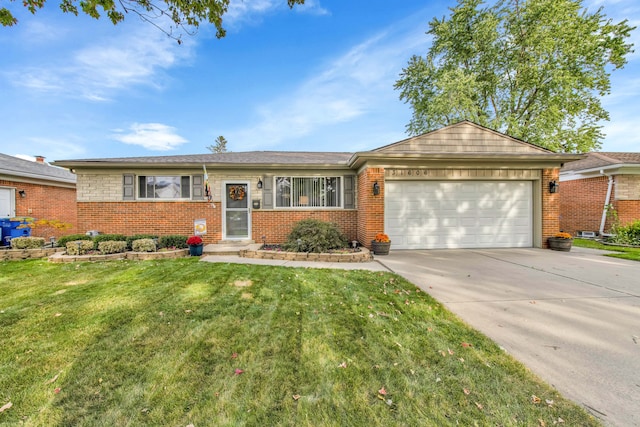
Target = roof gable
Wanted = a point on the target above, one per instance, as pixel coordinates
(596, 160)
(462, 137)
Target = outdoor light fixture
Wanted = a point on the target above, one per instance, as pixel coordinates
(553, 187)
(22, 193)
(376, 188)
(259, 183)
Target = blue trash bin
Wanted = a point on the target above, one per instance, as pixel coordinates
(19, 228)
(5, 230)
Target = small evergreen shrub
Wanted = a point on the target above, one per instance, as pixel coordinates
(135, 237)
(143, 245)
(173, 241)
(108, 237)
(79, 247)
(62, 241)
(312, 235)
(112, 247)
(27, 243)
(628, 234)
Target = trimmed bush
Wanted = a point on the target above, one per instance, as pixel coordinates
(628, 234)
(79, 247)
(27, 243)
(312, 235)
(143, 245)
(135, 237)
(173, 241)
(108, 238)
(62, 241)
(112, 247)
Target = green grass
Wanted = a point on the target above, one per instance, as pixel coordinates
(621, 251)
(158, 343)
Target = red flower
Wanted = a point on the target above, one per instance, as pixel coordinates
(194, 240)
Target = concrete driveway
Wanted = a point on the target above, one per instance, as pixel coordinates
(572, 317)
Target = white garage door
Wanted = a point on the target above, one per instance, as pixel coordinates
(458, 214)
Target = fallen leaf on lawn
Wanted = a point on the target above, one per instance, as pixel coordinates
(57, 314)
(190, 425)
(382, 391)
(560, 420)
(407, 302)
(188, 311)
(542, 423)
(161, 314)
(234, 355)
(479, 405)
(6, 406)
(450, 351)
(461, 359)
(398, 344)
(438, 379)
(549, 402)
(53, 379)
(296, 396)
(57, 390)
(466, 344)
(389, 402)
(342, 365)
(239, 372)
(535, 399)
(429, 329)
(371, 315)
(466, 391)
(443, 353)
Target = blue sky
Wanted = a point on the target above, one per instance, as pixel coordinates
(316, 78)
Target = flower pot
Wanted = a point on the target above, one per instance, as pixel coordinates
(559, 244)
(195, 250)
(380, 248)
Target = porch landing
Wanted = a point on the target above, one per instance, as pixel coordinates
(230, 248)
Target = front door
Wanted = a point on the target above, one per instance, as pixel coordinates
(237, 211)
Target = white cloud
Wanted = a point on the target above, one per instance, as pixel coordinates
(100, 68)
(152, 136)
(358, 82)
(250, 11)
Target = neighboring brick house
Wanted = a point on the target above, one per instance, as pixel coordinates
(462, 186)
(598, 180)
(37, 190)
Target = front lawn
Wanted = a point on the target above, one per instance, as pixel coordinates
(182, 342)
(621, 251)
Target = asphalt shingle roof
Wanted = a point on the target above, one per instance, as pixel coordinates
(15, 166)
(602, 159)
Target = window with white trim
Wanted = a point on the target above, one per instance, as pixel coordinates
(308, 192)
(164, 187)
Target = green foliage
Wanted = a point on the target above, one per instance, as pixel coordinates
(62, 241)
(107, 247)
(79, 247)
(628, 234)
(172, 241)
(131, 239)
(182, 14)
(143, 245)
(535, 70)
(220, 146)
(27, 243)
(108, 237)
(312, 235)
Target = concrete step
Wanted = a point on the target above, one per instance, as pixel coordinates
(230, 248)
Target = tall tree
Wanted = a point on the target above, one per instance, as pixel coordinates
(182, 13)
(220, 146)
(534, 69)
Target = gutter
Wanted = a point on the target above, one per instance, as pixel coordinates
(607, 200)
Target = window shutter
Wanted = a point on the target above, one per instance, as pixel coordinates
(197, 187)
(128, 187)
(349, 192)
(267, 192)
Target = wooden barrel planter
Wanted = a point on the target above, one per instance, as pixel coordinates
(380, 248)
(560, 244)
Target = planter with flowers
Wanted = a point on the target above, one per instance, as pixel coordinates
(560, 242)
(381, 244)
(195, 245)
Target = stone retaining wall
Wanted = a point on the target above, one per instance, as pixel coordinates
(136, 256)
(18, 254)
(363, 256)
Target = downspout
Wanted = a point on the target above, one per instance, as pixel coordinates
(606, 203)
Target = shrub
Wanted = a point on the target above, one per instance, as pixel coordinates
(112, 247)
(173, 241)
(143, 245)
(312, 235)
(27, 243)
(62, 241)
(107, 238)
(627, 234)
(135, 237)
(79, 247)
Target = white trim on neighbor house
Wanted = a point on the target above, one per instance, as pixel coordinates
(7, 202)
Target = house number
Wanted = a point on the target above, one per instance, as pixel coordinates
(409, 172)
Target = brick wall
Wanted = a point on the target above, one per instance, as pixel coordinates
(628, 210)
(276, 225)
(550, 205)
(160, 218)
(370, 207)
(582, 202)
(46, 202)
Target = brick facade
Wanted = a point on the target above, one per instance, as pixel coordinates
(46, 202)
(276, 225)
(370, 207)
(550, 205)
